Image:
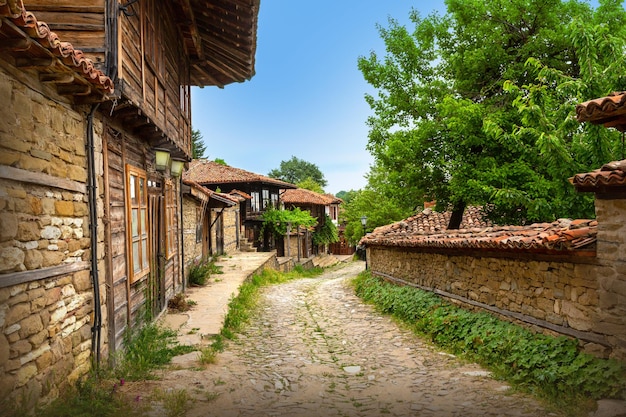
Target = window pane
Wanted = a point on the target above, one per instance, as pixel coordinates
(133, 191)
(136, 266)
(134, 224)
(144, 223)
(144, 252)
(141, 190)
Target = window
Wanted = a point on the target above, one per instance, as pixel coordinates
(255, 203)
(266, 199)
(274, 198)
(170, 219)
(137, 223)
(198, 224)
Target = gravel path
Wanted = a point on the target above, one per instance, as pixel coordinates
(314, 349)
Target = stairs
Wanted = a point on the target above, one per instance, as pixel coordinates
(246, 246)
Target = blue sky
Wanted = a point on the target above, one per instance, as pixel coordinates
(307, 97)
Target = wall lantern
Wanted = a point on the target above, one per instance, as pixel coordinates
(162, 159)
(363, 223)
(177, 167)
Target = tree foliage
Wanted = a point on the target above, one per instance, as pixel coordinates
(477, 106)
(310, 184)
(327, 233)
(297, 170)
(198, 148)
(276, 221)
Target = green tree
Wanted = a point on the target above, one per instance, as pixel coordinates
(311, 185)
(296, 170)
(327, 233)
(449, 113)
(198, 148)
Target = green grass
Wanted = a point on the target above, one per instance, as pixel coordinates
(97, 394)
(552, 368)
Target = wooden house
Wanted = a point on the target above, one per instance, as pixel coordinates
(258, 191)
(93, 93)
(320, 207)
(210, 222)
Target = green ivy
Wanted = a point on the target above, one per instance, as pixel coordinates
(327, 233)
(551, 367)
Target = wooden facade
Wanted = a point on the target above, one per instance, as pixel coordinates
(258, 193)
(89, 225)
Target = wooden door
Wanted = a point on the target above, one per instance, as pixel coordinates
(155, 296)
(219, 234)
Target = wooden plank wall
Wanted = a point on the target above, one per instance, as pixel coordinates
(81, 22)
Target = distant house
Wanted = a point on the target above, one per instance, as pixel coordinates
(210, 222)
(258, 193)
(320, 207)
(90, 226)
(565, 276)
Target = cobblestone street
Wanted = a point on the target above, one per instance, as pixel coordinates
(314, 349)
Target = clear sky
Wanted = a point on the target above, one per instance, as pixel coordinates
(307, 97)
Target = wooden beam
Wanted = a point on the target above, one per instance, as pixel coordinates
(16, 278)
(58, 78)
(40, 178)
(33, 62)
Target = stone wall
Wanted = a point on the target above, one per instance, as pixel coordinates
(46, 295)
(193, 249)
(231, 229)
(611, 272)
(561, 296)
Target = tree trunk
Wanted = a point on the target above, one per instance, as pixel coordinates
(457, 215)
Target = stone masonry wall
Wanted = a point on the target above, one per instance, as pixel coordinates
(46, 295)
(561, 296)
(611, 274)
(231, 223)
(193, 250)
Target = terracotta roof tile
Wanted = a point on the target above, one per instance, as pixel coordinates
(428, 230)
(611, 175)
(224, 198)
(210, 172)
(14, 11)
(303, 196)
(609, 111)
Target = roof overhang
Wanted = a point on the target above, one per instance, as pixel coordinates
(220, 37)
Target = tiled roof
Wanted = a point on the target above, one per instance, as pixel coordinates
(33, 45)
(428, 230)
(609, 111)
(240, 194)
(209, 172)
(303, 196)
(224, 198)
(611, 175)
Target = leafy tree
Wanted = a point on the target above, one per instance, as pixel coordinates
(468, 105)
(275, 221)
(311, 185)
(220, 161)
(297, 170)
(346, 196)
(198, 148)
(327, 233)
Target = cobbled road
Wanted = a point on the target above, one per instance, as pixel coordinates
(313, 348)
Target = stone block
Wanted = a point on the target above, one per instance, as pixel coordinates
(17, 313)
(8, 226)
(33, 259)
(52, 258)
(25, 374)
(4, 350)
(30, 325)
(27, 231)
(64, 208)
(82, 280)
(20, 348)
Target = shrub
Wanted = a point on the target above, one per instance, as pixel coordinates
(552, 367)
(201, 270)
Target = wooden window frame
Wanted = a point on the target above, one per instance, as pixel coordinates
(133, 179)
